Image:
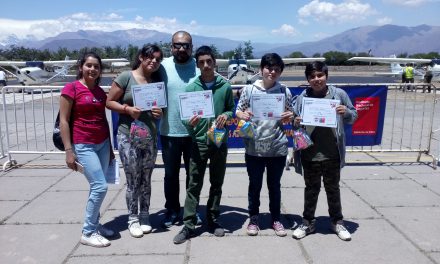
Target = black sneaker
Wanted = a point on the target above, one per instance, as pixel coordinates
(183, 235)
(170, 219)
(216, 229)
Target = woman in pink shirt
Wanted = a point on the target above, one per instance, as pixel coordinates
(85, 134)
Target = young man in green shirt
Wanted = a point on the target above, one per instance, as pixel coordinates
(204, 149)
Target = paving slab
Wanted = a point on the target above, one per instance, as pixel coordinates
(419, 224)
(400, 192)
(42, 243)
(391, 209)
(244, 249)
(24, 188)
(116, 259)
(55, 207)
(374, 241)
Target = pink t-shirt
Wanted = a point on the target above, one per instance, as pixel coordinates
(88, 120)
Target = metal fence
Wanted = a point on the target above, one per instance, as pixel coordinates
(412, 122)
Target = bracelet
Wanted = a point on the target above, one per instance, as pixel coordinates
(67, 149)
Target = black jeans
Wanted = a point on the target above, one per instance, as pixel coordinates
(172, 150)
(330, 171)
(255, 169)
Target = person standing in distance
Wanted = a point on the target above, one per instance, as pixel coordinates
(179, 71)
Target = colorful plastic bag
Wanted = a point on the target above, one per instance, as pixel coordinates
(301, 140)
(140, 134)
(245, 129)
(216, 135)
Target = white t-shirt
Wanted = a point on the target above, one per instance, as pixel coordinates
(2, 75)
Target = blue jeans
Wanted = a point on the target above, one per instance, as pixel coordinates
(255, 169)
(172, 150)
(95, 159)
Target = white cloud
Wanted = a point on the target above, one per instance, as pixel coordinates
(409, 3)
(285, 30)
(384, 20)
(81, 16)
(41, 29)
(112, 16)
(348, 10)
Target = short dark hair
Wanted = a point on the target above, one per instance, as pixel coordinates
(316, 66)
(204, 50)
(271, 59)
(83, 59)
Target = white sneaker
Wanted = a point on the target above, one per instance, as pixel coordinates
(145, 224)
(341, 231)
(135, 229)
(304, 229)
(95, 240)
(105, 232)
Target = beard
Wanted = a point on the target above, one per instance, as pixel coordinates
(181, 57)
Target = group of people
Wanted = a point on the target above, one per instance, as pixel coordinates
(408, 77)
(85, 135)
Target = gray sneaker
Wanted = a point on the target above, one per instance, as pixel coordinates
(304, 229)
(183, 235)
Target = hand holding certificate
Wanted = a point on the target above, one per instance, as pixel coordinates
(196, 103)
(267, 106)
(319, 112)
(145, 96)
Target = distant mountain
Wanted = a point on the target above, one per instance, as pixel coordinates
(382, 40)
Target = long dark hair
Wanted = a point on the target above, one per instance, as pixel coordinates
(83, 59)
(147, 52)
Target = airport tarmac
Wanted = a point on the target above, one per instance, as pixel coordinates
(391, 209)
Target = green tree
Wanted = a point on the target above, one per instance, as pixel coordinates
(296, 54)
(228, 54)
(248, 50)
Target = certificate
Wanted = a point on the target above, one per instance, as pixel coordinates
(267, 106)
(196, 103)
(319, 112)
(145, 96)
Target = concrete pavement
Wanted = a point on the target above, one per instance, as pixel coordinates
(392, 210)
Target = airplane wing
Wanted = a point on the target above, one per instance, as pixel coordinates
(256, 62)
(12, 63)
(222, 62)
(73, 62)
(299, 60)
(389, 60)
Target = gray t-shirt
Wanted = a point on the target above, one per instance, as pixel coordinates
(270, 139)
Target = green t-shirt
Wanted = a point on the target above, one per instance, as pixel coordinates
(125, 80)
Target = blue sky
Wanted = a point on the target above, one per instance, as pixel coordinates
(276, 21)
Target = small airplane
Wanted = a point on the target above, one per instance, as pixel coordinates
(396, 69)
(45, 72)
(240, 71)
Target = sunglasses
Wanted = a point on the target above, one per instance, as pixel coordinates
(273, 68)
(180, 45)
